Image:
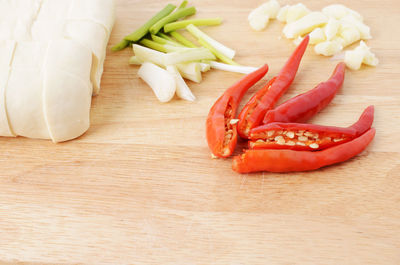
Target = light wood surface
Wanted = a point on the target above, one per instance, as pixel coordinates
(140, 187)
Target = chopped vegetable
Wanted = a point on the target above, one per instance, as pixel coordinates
(221, 134)
(197, 22)
(259, 17)
(232, 68)
(153, 45)
(143, 30)
(217, 54)
(215, 44)
(182, 39)
(162, 82)
(148, 55)
(188, 55)
(164, 41)
(135, 60)
(304, 25)
(295, 12)
(361, 54)
(191, 71)
(180, 13)
(328, 48)
(182, 90)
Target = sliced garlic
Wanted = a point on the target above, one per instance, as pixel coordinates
(328, 48)
(304, 25)
(317, 36)
(331, 28)
(338, 11)
(295, 12)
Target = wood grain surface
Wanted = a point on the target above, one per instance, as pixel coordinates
(140, 186)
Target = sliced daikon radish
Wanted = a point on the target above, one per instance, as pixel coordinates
(70, 56)
(98, 11)
(182, 90)
(190, 71)
(328, 48)
(24, 102)
(232, 68)
(295, 12)
(162, 82)
(304, 25)
(188, 55)
(94, 37)
(66, 104)
(30, 54)
(331, 28)
(5, 129)
(338, 11)
(148, 55)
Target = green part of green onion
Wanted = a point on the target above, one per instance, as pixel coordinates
(181, 13)
(182, 39)
(153, 45)
(197, 22)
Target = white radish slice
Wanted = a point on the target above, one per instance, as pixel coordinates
(5, 129)
(94, 37)
(24, 102)
(162, 82)
(182, 90)
(97, 11)
(66, 103)
(69, 56)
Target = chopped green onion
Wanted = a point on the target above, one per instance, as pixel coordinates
(205, 67)
(153, 45)
(188, 55)
(218, 46)
(165, 36)
(182, 39)
(233, 68)
(183, 4)
(161, 81)
(197, 22)
(120, 46)
(135, 60)
(184, 12)
(164, 41)
(143, 30)
(191, 71)
(219, 55)
(182, 90)
(148, 55)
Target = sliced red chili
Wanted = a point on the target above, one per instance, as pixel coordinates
(221, 132)
(289, 160)
(304, 106)
(253, 112)
(307, 137)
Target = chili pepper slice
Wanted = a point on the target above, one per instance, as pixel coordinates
(254, 111)
(221, 132)
(302, 107)
(307, 137)
(276, 160)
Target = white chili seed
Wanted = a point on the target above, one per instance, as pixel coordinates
(300, 143)
(308, 134)
(314, 145)
(290, 135)
(291, 143)
(270, 133)
(303, 138)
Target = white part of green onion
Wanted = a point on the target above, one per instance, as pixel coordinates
(233, 68)
(205, 67)
(182, 90)
(161, 81)
(171, 48)
(188, 55)
(190, 71)
(148, 55)
(228, 52)
(134, 60)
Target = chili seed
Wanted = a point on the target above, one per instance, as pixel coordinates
(290, 135)
(270, 133)
(300, 143)
(314, 145)
(303, 138)
(291, 143)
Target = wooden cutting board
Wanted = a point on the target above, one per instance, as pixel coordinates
(140, 186)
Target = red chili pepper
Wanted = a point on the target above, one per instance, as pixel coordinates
(221, 134)
(289, 160)
(302, 107)
(307, 137)
(254, 111)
